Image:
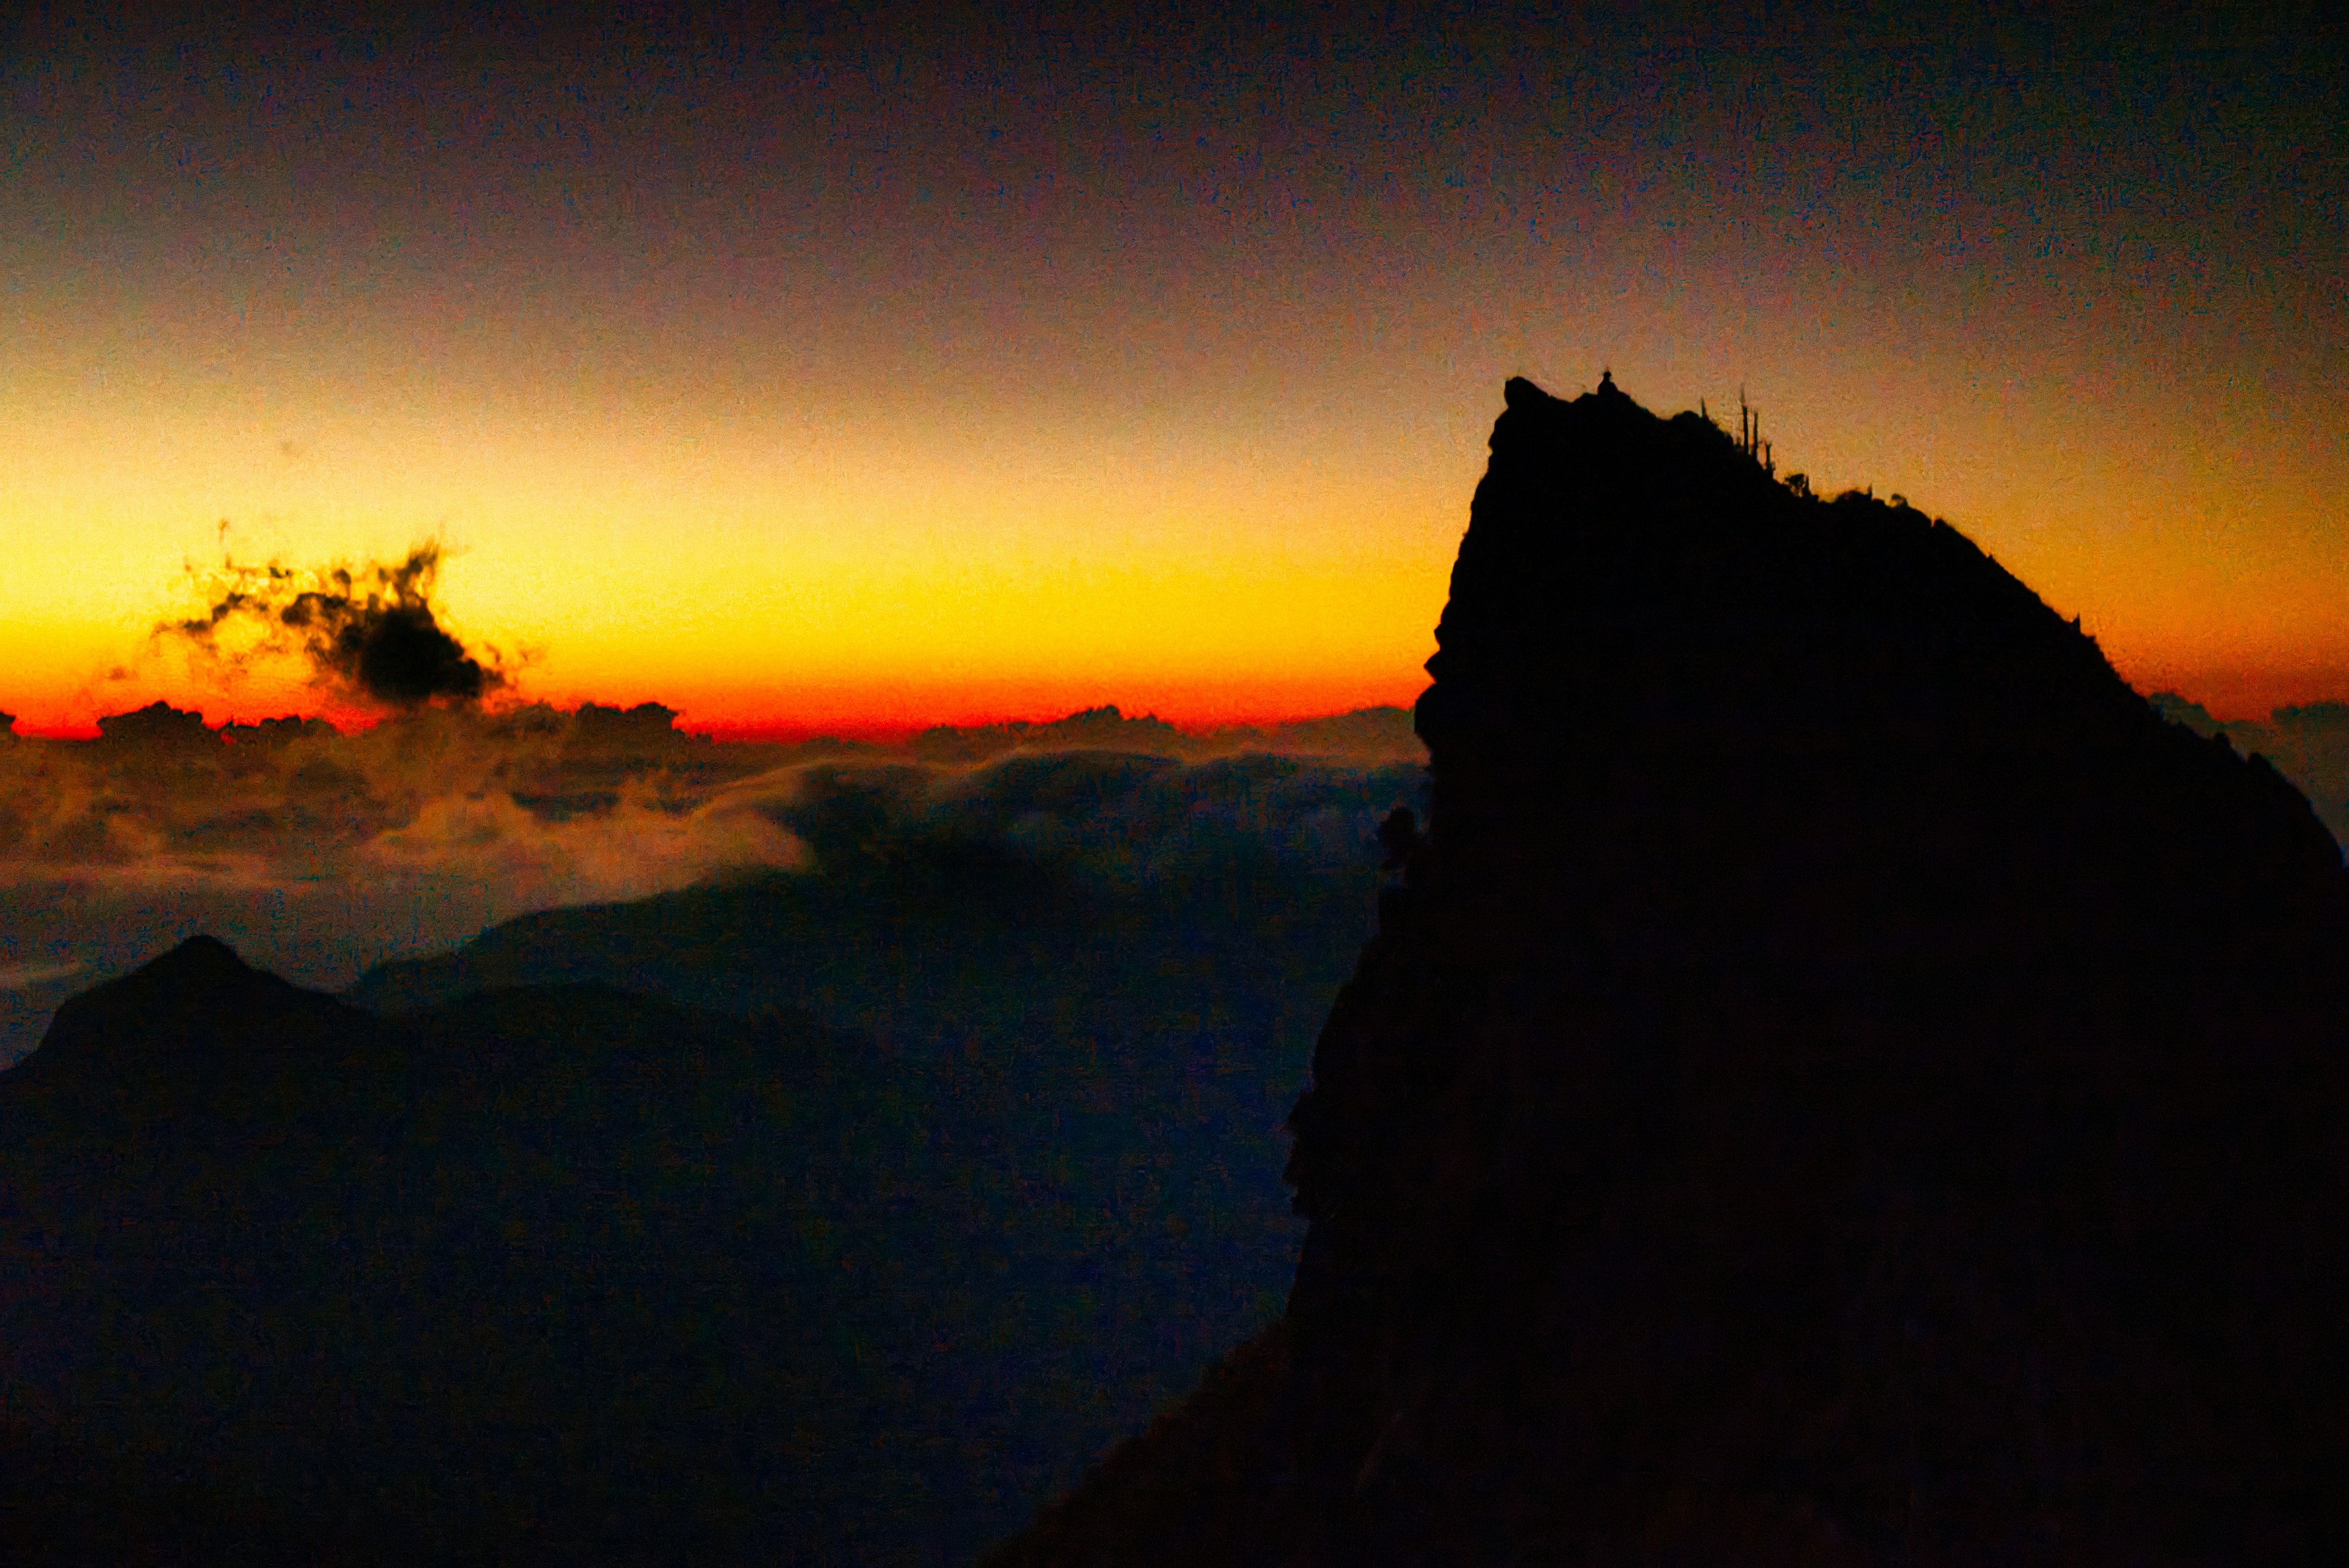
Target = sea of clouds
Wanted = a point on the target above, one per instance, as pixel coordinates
(317, 855)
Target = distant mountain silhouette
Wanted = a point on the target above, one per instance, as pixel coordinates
(197, 1010)
(550, 1274)
(1842, 1080)
(1012, 1198)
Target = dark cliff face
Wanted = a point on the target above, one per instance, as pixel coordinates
(1843, 1080)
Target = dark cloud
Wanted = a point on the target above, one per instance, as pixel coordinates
(1104, 818)
(1366, 733)
(369, 629)
(157, 727)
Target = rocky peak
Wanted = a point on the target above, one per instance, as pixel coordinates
(1843, 1078)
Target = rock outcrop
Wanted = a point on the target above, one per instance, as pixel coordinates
(1842, 1080)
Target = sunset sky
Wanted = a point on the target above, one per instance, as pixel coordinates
(866, 374)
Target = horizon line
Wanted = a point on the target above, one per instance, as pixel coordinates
(750, 731)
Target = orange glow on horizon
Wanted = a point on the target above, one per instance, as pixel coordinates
(880, 717)
(802, 402)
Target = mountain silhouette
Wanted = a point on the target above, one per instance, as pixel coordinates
(1011, 1196)
(1841, 1079)
(197, 1010)
(549, 1274)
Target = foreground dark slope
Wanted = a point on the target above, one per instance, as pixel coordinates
(553, 1274)
(1847, 1082)
(282, 1280)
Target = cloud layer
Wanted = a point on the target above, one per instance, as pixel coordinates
(320, 853)
(317, 854)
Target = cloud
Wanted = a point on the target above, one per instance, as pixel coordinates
(1383, 733)
(317, 853)
(1114, 819)
(631, 850)
(18, 976)
(369, 630)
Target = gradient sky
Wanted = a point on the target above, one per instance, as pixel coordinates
(972, 365)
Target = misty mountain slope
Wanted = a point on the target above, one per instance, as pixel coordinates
(1847, 1081)
(1103, 848)
(562, 1272)
(1106, 971)
(1019, 1207)
(1008, 927)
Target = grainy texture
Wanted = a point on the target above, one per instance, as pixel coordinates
(1842, 1080)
